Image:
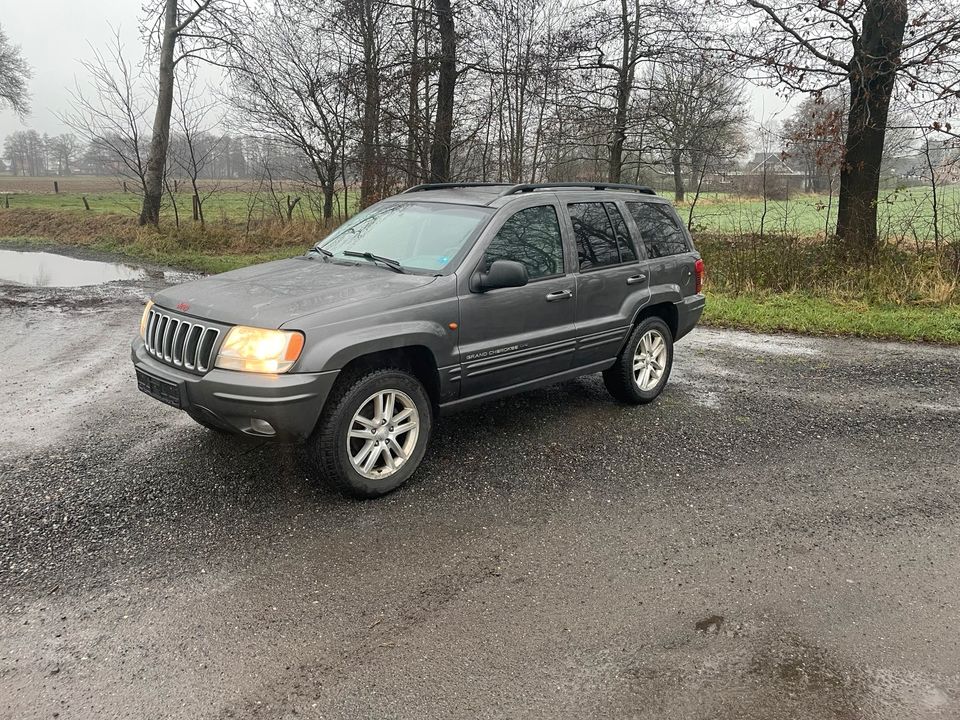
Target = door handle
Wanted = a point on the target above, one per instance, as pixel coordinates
(634, 279)
(559, 295)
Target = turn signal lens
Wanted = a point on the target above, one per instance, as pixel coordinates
(143, 320)
(260, 350)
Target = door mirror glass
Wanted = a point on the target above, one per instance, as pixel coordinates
(503, 274)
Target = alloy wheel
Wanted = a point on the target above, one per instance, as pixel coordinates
(383, 434)
(649, 360)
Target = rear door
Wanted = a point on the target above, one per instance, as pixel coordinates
(510, 336)
(611, 284)
(671, 257)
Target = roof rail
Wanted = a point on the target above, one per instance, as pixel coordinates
(530, 187)
(450, 185)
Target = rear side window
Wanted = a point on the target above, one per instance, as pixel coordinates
(601, 234)
(658, 227)
(627, 252)
(530, 236)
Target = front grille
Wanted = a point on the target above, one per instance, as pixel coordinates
(180, 342)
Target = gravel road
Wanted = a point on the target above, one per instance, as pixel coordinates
(777, 537)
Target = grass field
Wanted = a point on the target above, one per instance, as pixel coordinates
(229, 200)
(905, 213)
(788, 279)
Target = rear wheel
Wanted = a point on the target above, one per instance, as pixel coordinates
(644, 365)
(372, 434)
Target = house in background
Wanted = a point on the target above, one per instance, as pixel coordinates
(769, 175)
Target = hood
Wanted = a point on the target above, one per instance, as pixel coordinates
(275, 293)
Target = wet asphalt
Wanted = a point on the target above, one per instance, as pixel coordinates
(777, 537)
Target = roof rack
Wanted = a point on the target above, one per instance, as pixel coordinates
(530, 187)
(450, 185)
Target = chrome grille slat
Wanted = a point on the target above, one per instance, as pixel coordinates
(205, 348)
(180, 342)
(192, 346)
(148, 335)
(172, 325)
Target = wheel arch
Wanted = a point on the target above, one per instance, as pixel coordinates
(666, 311)
(416, 359)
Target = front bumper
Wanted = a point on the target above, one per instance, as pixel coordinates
(235, 401)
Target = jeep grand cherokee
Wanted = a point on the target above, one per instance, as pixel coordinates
(439, 297)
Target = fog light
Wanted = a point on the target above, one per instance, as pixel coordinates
(261, 427)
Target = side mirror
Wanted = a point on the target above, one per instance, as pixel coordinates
(502, 274)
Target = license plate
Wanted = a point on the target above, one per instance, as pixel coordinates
(165, 392)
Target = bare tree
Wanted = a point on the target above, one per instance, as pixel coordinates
(64, 150)
(867, 48)
(290, 85)
(14, 73)
(111, 114)
(27, 153)
(616, 37)
(181, 30)
(194, 146)
(696, 112)
(446, 86)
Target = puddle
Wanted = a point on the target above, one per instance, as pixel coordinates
(40, 269)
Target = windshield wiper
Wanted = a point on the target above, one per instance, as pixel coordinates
(392, 264)
(322, 251)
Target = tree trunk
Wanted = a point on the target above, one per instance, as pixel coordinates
(678, 191)
(329, 190)
(413, 95)
(371, 110)
(160, 140)
(618, 136)
(446, 84)
(872, 73)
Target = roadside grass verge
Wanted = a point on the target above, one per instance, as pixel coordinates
(809, 315)
(216, 248)
(805, 285)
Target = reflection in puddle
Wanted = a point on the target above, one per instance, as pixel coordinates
(41, 269)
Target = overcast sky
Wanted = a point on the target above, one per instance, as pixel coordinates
(55, 34)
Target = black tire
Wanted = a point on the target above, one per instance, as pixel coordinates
(621, 380)
(327, 448)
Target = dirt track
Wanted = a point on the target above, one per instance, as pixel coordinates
(777, 537)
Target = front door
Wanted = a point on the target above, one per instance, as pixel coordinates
(510, 336)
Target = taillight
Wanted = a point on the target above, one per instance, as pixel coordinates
(699, 269)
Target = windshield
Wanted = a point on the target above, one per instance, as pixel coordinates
(418, 235)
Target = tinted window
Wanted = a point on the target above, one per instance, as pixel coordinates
(596, 241)
(532, 237)
(661, 234)
(627, 251)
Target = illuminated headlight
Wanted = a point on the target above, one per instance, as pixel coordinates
(259, 350)
(143, 320)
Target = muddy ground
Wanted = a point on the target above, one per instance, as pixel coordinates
(777, 537)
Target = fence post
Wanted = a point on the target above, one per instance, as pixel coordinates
(124, 185)
(56, 187)
(6, 201)
(85, 203)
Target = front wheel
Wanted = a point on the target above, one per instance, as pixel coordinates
(372, 434)
(644, 364)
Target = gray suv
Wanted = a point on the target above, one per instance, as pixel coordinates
(437, 298)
